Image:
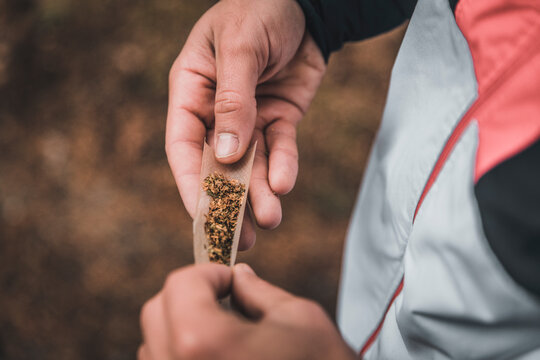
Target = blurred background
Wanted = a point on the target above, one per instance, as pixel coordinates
(90, 218)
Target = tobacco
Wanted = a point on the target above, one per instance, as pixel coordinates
(226, 199)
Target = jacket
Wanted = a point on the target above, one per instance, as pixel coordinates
(442, 259)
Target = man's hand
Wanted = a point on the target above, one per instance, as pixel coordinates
(184, 320)
(247, 72)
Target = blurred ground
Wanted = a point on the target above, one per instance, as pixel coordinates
(90, 219)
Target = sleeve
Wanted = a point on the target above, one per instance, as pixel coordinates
(334, 22)
(509, 202)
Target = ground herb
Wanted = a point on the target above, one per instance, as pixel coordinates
(226, 199)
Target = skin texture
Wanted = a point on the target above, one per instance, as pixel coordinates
(248, 70)
(185, 321)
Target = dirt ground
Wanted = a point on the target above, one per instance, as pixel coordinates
(90, 218)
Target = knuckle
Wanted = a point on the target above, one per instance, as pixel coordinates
(254, 49)
(172, 279)
(284, 133)
(291, 152)
(238, 48)
(308, 309)
(312, 308)
(228, 101)
(230, 44)
(192, 344)
(282, 128)
(318, 318)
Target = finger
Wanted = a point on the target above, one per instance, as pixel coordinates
(254, 296)
(247, 234)
(237, 72)
(283, 158)
(186, 132)
(281, 118)
(190, 112)
(265, 204)
(196, 322)
(191, 293)
(154, 329)
(184, 144)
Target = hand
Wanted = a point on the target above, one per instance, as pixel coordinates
(184, 320)
(247, 72)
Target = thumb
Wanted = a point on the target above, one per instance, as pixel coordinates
(254, 296)
(235, 109)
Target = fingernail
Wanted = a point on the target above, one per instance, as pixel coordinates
(227, 144)
(244, 268)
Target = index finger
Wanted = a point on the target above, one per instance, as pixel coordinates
(190, 109)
